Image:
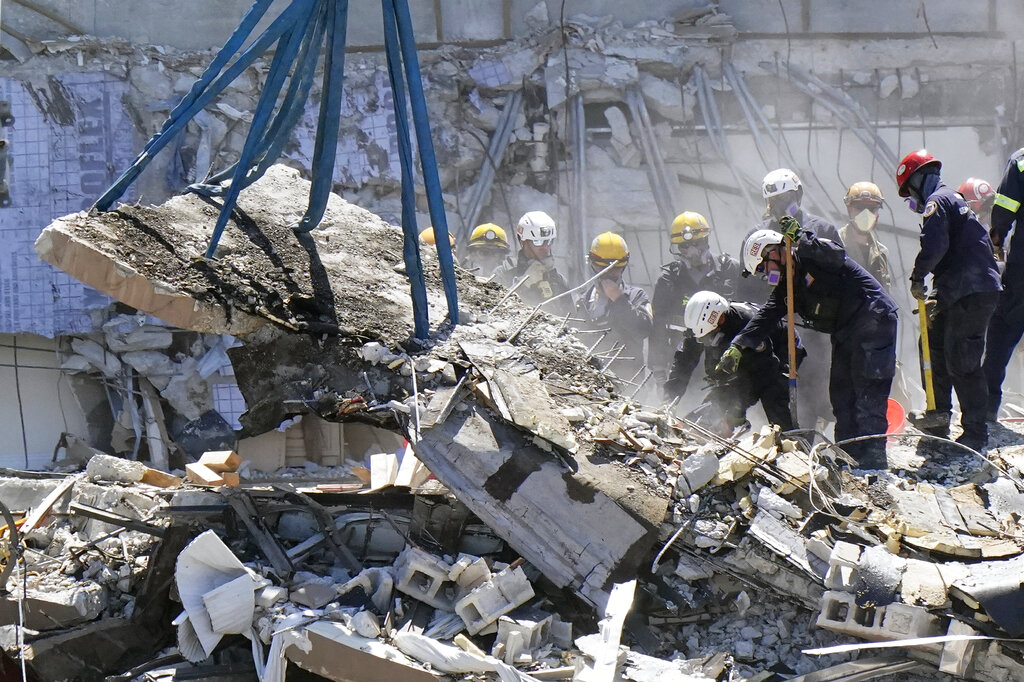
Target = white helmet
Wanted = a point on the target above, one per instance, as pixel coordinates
(537, 227)
(778, 182)
(704, 311)
(753, 248)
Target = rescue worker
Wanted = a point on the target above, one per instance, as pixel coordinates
(1007, 324)
(980, 196)
(957, 252)
(783, 196)
(612, 304)
(427, 238)
(863, 202)
(834, 295)
(694, 269)
(487, 248)
(712, 322)
(535, 233)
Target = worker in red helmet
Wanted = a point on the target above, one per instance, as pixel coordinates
(957, 252)
(980, 196)
(1007, 325)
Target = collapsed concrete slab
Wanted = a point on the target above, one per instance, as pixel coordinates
(309, 309)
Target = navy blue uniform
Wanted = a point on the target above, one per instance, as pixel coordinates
(629, 322)
(761, 375)
(678, 280)
(834, 295)
(1007, 325)
(957, 251)
(814, 372)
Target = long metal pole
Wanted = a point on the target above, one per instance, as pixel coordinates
(791, 330)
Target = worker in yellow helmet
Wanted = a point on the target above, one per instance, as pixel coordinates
(863, 202)
(427, 238)
(619, 307)
(487, 248)
(694, 269)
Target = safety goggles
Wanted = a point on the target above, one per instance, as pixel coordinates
(856, 207)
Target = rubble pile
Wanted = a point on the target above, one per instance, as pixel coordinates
(537, 517)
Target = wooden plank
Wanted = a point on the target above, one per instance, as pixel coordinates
(40, 512)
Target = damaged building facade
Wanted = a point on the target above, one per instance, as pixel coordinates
(493, 504)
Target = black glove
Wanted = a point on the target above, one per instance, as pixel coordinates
(917, 289)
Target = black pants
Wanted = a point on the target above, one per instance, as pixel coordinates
(1004, 333)
(863, 365)
(771, 389)
(957, 347)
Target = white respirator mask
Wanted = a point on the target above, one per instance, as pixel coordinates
(865, 220)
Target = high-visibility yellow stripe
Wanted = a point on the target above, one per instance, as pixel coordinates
(1006, 202)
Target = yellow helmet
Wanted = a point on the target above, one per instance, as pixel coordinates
(488, 236)
(867, 192)
(689, 226)
(608, 248)
(427, 237)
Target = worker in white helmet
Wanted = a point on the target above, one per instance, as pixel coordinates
(535, 233)
(712, 323)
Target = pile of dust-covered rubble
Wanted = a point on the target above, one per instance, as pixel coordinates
(536, 523)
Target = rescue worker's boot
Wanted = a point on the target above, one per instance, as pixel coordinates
(933, 422)
(975, 436)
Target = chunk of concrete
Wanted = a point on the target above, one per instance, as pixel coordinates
(958, 655)
(107, 468)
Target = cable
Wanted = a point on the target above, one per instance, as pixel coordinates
(21, 407)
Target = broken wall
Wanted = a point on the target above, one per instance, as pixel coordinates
(943, 79)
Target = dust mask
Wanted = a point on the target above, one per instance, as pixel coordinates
(865, 220)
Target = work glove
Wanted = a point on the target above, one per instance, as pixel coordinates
(536, 273)
(730, 360)
(917, 289)
(790, 227)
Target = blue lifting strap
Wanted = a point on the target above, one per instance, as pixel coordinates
(299, 31)
(428, 161)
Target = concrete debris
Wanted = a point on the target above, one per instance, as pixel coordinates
(519, 489)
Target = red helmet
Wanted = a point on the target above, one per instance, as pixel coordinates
(910, 164)
(976, 191)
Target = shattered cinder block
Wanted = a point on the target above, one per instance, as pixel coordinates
(840, 613)
(423, 576)
(518, 636)
(469, 572)
(958, 655)
(842, 565)
(499, 595)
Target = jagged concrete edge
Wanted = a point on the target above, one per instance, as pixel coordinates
(119, 280)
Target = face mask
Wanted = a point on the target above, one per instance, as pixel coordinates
(914, 204)
(865, 220)
(711, 339)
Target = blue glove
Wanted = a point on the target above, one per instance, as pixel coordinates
(790, 227)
